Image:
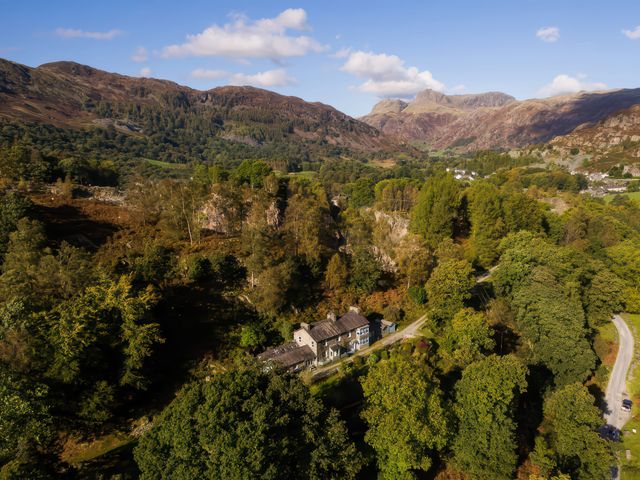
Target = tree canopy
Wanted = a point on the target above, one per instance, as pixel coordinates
(405, 412)
(486, 398)
(247, 423)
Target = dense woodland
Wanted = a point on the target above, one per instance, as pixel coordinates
(156, 323)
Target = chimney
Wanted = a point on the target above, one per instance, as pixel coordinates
(304, 326)
(331, 316)
(354, 309)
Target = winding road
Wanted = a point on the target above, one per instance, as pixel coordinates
(617, 386)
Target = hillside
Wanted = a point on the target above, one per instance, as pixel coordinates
(493, 120)
(617, 134)
(178, 121)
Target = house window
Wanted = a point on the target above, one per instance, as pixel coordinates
(300, 339)
(313, 344)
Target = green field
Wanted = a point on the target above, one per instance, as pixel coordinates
(635, 196)
(631, 441)
(97, 448)
(166, 165)
(308, 174)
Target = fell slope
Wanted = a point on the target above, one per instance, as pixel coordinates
(70, 95)
(618, 133)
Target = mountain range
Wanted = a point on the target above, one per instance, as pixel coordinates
(73, 96)
(162, 116)
(494, 120)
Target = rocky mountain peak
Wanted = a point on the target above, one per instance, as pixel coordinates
(70, 68)
(389, 105)
(494, 119)
(432, 100)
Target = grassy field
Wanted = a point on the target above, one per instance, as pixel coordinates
(166, 165)
(635, 196)
(307, 174)
(631, 441)
(76, 453)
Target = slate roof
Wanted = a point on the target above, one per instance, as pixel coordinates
(326, 329)
(288, 355)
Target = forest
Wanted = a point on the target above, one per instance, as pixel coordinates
(144, 324)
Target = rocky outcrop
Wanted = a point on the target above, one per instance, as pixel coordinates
(430, 101)
(618, 132)
(220, 214)
(397, 225)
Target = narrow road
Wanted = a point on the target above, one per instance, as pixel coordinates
(617, 386)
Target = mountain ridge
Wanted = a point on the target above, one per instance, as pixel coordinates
(494, 119)
(71, 95)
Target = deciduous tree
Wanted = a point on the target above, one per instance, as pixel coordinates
(247, 423)
(486, 396)
(448, 287)
(467, 338)
(570, 442)
(406, 417)
(435, 210)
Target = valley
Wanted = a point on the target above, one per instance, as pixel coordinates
(159, 243)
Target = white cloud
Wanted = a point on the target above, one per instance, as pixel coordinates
(342, 53)
(144, 72)
(242, 38)
(268, 78)
(567, 84)
(633, 34)
(209, 74)
(387, 76)
(75, 33)
(140, 55)
(458, 89)
(548, 34)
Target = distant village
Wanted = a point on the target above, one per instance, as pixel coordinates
(602, 184)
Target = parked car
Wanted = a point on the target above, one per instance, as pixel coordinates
(626, 405)
(614, 435)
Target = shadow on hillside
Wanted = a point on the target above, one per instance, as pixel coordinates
(587, 109)
(69, 224)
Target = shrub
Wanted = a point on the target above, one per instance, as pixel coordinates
(417, 295)
(199, 268)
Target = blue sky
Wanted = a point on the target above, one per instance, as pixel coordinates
(345, 53)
